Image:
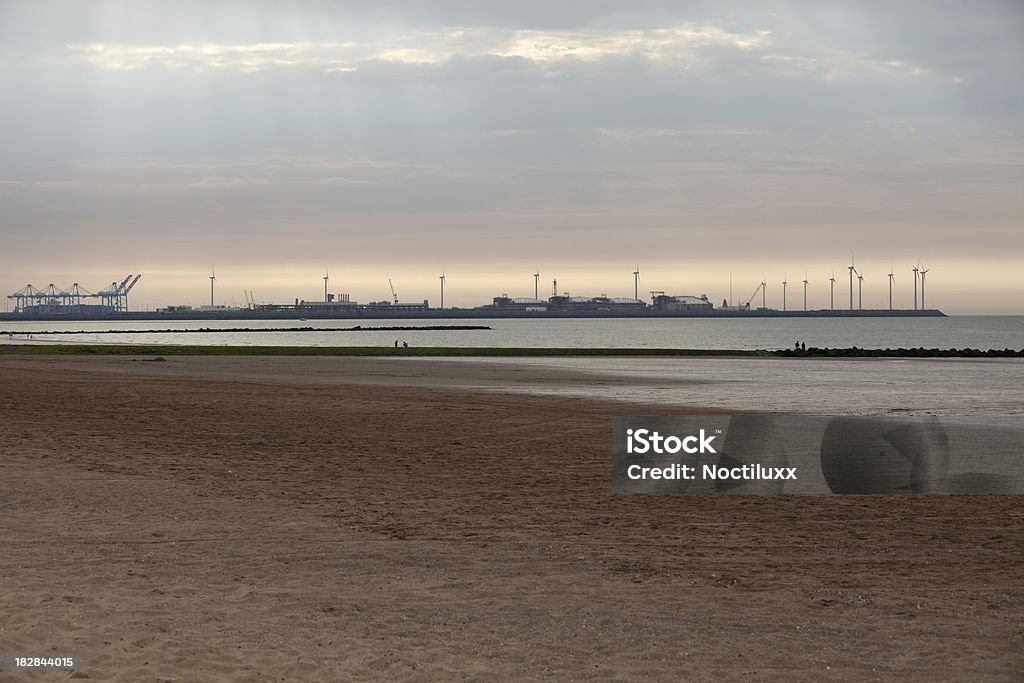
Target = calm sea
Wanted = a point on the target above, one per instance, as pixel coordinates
(867, 386)
(943, 386)
(982, 332)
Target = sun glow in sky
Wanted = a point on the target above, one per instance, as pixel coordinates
(274, 139)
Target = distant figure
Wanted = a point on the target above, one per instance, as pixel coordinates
(405, 345)
(803, 346)
(796, 345)
(396, 343)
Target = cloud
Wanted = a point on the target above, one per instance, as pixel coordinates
(834, 65)
(271, 132)
(223, 182)
(682, 47)
(676, 44)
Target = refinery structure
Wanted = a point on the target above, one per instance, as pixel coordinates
(111, 302)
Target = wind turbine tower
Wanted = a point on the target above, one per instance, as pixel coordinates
(784, 283)
(916, 269)
(860, 292)
(832, 292)
(636, 282)
(536, 284)
(852, 269)
(890, 288)
(764, 294)
(805, 291)
(923, 273)
(213, 278)
(442, 288)
(327, 279)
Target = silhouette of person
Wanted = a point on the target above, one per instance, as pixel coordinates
(396, 343)
(803, 346)
(405, 345)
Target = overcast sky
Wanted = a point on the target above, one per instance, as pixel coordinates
(769, 140)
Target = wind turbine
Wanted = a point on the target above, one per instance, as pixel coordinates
(213, 278)
(923, 273)
(327, 278)
(764, 294)
(852, 270)
(442, 288)
(805, 291)
(784, 283)
(536, 284)
(636, 282)
(860, 292)
(916, 269)
(890, 287)
(832, 292)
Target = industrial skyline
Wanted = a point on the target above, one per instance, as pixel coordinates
(697, 139)
(117, 295)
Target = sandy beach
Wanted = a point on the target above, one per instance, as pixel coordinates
(355, 518)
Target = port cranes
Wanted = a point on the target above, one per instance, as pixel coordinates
(114, 298)
(761, 288)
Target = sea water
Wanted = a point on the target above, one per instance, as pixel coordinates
(860, 386)
(983, 332)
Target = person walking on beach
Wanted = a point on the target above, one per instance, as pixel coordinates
(396, 343)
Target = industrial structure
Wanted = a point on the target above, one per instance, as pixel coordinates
(565, 304)
(78, 303)
(681, 304)
(75, 300)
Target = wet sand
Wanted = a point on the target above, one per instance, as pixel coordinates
(220, 519)
(310, 371)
